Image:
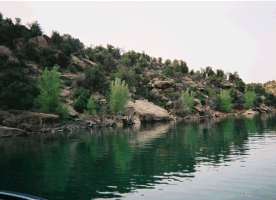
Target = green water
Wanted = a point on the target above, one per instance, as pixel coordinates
(234, 159)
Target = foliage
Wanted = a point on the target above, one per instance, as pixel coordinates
(249, 98)
(225, 101)
(81, 98)
(17, 89)
(127, 74)
(35, 29)
(175, 68)
(94, 80)
(187, 101)
(119, 95)
(50, 86)
(91, 106)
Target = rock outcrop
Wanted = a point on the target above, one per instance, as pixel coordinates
(39, 41)
(145, 111)
(28, 121)
(11, 132)
(81, 63)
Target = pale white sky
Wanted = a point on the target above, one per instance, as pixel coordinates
(233, 36)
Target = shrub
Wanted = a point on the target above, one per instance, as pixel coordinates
(91, 106)
(95, 80)
(49, 86)
(187, 101)
(249, 98)
(119, 95)
(225, 101)
(127, 74)
(81, 98)
(17, 89)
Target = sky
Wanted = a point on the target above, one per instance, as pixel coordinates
(233, 36)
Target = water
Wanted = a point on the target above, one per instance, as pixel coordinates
(233, 159)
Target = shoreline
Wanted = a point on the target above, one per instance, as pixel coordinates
(48, 124)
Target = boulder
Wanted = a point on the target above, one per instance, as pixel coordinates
(162, 84)
(146, 111)
(9, 131)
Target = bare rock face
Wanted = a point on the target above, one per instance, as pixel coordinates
(81, 63)
(249, 113)
(30, 121)
(146, 111)
(10, 132)
(162, 84)
(39, 41)
(270, 87)
(5, 51)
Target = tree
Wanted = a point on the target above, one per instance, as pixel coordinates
(225, 101)
(17, 89)
(35, 29)
(81, 99)
(95, 80)
(187, 101)
(119, 96)
(249, 98)
(49, 86)
(91, 106)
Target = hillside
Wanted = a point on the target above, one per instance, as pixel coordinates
(88, 71)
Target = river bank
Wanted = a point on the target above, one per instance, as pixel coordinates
(24, 123)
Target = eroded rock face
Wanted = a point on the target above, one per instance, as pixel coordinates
(162, 84)
(5, 51)
(249, 113)
(81, 63)
(10, 132)
(29, 121)
(147, 111)
(39, 41)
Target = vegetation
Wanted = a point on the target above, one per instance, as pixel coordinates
(119, 96)
(225, 101)
(91, 106)
(49, 86)
(249, 98)
(87, 74)
(81, 99)
(17, 89)
(187, 101)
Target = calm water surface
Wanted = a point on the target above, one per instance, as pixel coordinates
(234, 159)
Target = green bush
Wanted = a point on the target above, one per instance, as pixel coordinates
(49, 86)
(95, 80)
(119, 95)
(17, 89)
(81, 98)
(225, 101)
(91, 106)
(187, 101)
(249, 98)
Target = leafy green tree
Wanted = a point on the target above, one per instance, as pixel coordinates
(225, 101)
(249, 98)
(187, 101)
(81, 99)
(119, 96)
(91, 106)
(49, 86)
